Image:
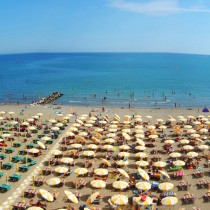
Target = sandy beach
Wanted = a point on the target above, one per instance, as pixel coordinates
(50, 112)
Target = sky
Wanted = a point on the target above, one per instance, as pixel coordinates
(105, 26)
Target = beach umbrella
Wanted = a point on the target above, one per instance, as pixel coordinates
(138, 119)
(153, 136)
(59, 125)
(71, 197)
(140, 148)
(81, 171)
(45, 138)
(53, 181)
(171, 120)
(151, 127)
(39, 114)
(117, 117)
(159, 120)
(25, 123)
(160, 164)
(61, 170)
(175, 155)
(96, 140)
(140, 142)
(90, 122)
(2, 112)
(101, 172)
(142, 163)
(103, 122)
(169, 141)
(139, 135)
(120, 185)
(184, 141)
(192, 154)
(6, 135)
(191, 131)
(67, 160)
(139, 127)
(33, 151)
(13, 122)
(55, 128)
(97, 135)
(123, 154)
(76, 146)
(52, 120)
(169, 201)
(99, 130)
(196, 123)
(92, 146)
(188, 147)
(88, 125)
(165, 186)
(126, 136)
(92, 197)
(108, 147)
(89, 153)
(112, 130)
(143, 174)
(148, 117)
(83, 133)
(35, 117)
(56, 152)
(113, 126)
(188, 126)
(126, 130)
(59, 114)
(179, 163)
(122, 162)
(74, 129)
(111, 135)
(32, 128)
(35, 208)
(143, 185)
(203, 130)
(195, 135)
(70, 134)
(110, 141)
(122, 172)
(124, 147)
(41, 145)
(119, 200)
(46, 195)
(30, 120)
(139, 131)
(80, 139)
(98, 184)
(203, 147)
(106, 162)
(164, 173)
(162, 127)
(141, 155)
(126, 122)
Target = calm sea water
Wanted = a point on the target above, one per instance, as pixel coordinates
(141, 79)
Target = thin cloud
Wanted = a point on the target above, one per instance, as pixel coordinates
(156, 7)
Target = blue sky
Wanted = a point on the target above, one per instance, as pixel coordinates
(105, 26)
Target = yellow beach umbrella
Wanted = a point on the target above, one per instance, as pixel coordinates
(119, 199)
(53, 181)
(139, 135)
(184, 141)
(165, 186)
(71, 197)
(126, 130)
(70, 134)
(35, 208)
(67, 160)
(98, 130)
(140, 148)
(81, 171)
(175, 155)
(74, 129)
(52, 120)
(83, 133)
(139, 131)
(120, 185)
(143, 185)
(195, 135)
(140, 142)
(164, 173)
(126, 136)
(61, 170)
(110, 141)
(41, 145)
(108, 147)
(139, 127)
(98, 184)
(160, 164)
(55, 128)
(122, 172)
(124, 147)
(112, 130)
(192, 154)
(141, 155)
(92, 197)
(179, 163)
(188, 147)
(46, 195)
(111, 135)
(76, 146)
(169, 141)
(169, 201)
(45, 138)
(106, 162)
(142, 163)
(92, 146)
(56, 152)
(89, 153)
(203, 147)
(101, 171)
(143, 174)
(30, 120)
(153, 136)
(33, 151)
(123, 154)
(25, 123)
(122, 162)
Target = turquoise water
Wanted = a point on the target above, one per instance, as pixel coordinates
(141, 79)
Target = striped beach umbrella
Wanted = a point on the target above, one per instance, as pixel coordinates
(184, 141)
(123, 154)
(175, 155)
(89, 153)
(76, 146)
(71, 197)
(139, 135)
(143, 174)
(165, 186)
(126, 136)
(92, 197)
(124, 147)
(122, 162)
(35, 208)
(106, 162)
(108, 147)
(160, 164)
(41, 145)
(142, 163)
(140, 142)
(81, 171)
(56, 152)
(92, 146)
(188, 147)
(122, 172)
(203, 147)
(120, 185)
(140, 148)
(46, 195)
(98, 184)
(101, 172)
(169, 201)
(143, 185)
(67, 160)
(164, 173)
(33, 151)
(53, 181)
(110, 141)
(179, 163)
(192, 154)
(119, 199)
(61, 170)
(141, 155)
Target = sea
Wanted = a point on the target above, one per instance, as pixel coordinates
(156, 80)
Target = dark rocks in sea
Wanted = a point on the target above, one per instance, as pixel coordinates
(49, 99)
